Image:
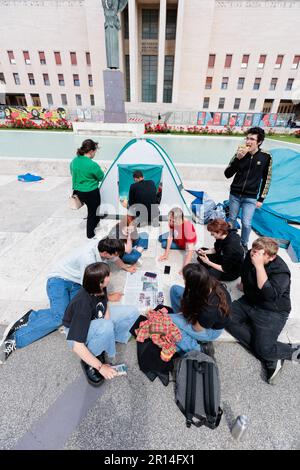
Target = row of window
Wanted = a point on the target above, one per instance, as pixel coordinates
(42, 58)
(237, 103)
(64, 100)
(150, 24)
(241, 83)
(245, 61)
(60, 77)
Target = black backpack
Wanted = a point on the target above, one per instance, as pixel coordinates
(197, 390)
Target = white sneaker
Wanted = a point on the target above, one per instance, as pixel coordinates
(273, 374)
(8, 347)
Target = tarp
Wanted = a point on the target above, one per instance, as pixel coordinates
(150, 172)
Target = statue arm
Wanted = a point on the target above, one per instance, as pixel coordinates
(122, 5)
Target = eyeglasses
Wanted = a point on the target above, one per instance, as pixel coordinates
(251, 138)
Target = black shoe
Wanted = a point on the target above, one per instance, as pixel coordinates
(93, 376)
(273, 373)
(101, 357)
(208, 348)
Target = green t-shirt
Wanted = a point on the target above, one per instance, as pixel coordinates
(86, 174)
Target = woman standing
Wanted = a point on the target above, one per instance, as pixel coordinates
(204, 305)
(86, 176)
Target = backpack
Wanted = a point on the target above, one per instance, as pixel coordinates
(197, 390)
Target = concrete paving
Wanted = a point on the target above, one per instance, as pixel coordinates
(45, 401)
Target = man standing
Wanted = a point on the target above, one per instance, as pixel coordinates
(253, 170)
(259, 316)
(143, 199)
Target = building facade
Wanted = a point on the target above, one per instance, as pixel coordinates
(213, 55)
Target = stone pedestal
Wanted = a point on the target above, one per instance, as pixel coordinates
(114, 94)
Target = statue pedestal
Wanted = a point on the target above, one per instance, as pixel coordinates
(114, 94)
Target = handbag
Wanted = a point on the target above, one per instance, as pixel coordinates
(74, 202)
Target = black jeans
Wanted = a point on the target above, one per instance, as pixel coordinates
(221, 276)
(92, 201)
(258, 330)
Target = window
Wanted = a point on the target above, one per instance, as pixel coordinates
(73, 58)
(208, 83)
(149, 78)
(64, 100)
(273, 83)
(245, 61)
(126, 23)
(36, 101)
(88, 58)
(61, 80)
(76, 80)
(221, 103)
(11, 57)
(90, 78)
(228, 61)
(26, 57)
(296, 62)
(46, 79)
(237, 103)
(211, 60)
(57, 58)
(224, 84)
(171, 24)
(256, 84)
(168, 79)
(16, 78)
(149, 24)
(288, 87)
(127, 74)
(49, 99)
(92, 98)
(2, 79)
(279, 61)
(262, 61)
(42, 58)
(206, 102)
(252, 104)
(241, 82)
(31, 79)
(78, 100)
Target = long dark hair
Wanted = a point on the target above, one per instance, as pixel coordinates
(198, 287)
(94, 275)
(86, 146)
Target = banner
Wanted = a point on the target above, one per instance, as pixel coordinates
(224, 119)
(240, 119)
(31, 112)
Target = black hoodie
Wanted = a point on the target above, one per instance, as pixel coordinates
(230, 254)
(275, 294)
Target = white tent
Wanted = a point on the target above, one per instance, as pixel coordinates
(139, 154)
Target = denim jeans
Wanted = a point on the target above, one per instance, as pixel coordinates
(163, 240)
(42, 322)
(258, 330)
(190, 337)
(134, 255)
(248, 206)
(103, 334)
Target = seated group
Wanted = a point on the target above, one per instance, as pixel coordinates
(78, 291)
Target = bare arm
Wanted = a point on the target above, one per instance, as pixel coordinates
(104, 369)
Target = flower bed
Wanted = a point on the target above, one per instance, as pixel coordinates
(25, 123)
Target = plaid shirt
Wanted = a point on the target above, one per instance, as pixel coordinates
(162, 331)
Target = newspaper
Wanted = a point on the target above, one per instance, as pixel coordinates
(143, 291)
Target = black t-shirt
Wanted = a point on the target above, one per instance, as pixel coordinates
(82, 309)
(230, 253)
(210, 315)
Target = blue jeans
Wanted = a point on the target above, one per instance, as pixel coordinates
(248, 206)
(163, 240)
(134, 255)
(190, 337)
(103, 334)
(42, 322)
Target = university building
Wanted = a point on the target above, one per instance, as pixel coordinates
(201, 55)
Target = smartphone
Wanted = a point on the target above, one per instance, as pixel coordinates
(121, 369)
(148, 274)
(167, 270)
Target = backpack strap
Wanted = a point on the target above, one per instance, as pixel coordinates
(213, 419)
(190, 392)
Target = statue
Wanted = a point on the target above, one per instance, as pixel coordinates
(112, 26)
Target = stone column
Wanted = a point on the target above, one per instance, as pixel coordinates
(178, 50)
(133, 49)
(161, 49)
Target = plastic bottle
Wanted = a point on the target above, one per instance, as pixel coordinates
(239, 427)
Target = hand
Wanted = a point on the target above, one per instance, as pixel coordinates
(204, 258)
(258, 204)
(241, 151)
(163, 257)
(107, 372)
(115, 296)
(240, 286)
(257, 258)
(131, 269)
(163, 310)
(201, 252)
(124, 203)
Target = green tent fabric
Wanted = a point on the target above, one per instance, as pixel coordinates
(150, 172)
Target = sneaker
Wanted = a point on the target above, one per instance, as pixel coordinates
(8, 347)
(296, 353)
(274, 372)
(16, 325)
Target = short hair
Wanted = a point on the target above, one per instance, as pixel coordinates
(111, 246)
(259, 132)
(138, 174)
(176, 213)
(219, 226)
(269, 245)
(94, 275)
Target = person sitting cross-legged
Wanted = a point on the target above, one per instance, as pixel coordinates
(135, 242)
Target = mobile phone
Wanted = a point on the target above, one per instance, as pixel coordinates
(153, 275)
(121, 369)
(167, 270)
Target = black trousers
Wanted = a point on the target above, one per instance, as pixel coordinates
(214, 272)
(258, 330)
(92, 201)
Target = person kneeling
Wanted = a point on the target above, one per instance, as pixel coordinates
(135, 242)
(92, 328)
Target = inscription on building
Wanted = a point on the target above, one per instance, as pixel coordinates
(258, 3)
(41, 3)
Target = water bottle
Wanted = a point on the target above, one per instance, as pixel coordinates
(239, 427)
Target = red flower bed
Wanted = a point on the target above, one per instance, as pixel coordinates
(25, 123)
